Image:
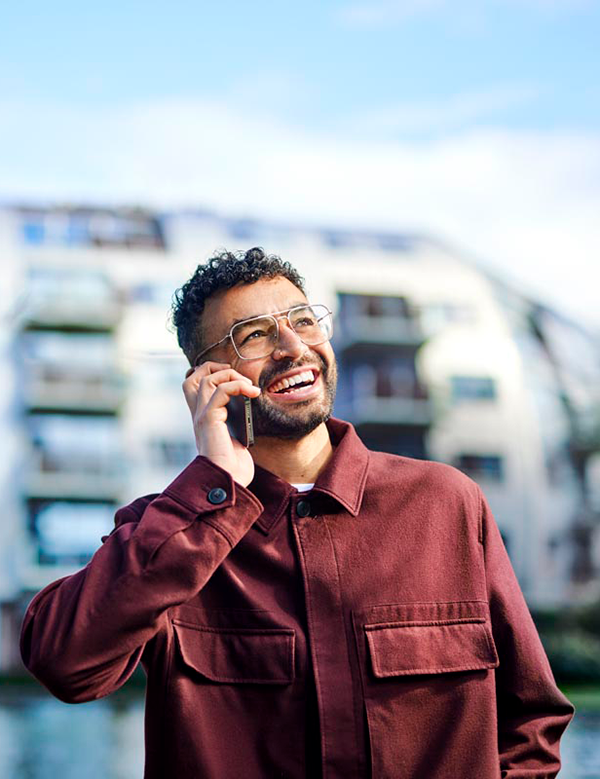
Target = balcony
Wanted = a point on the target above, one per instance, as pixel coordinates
(72, 314)
(388, 411)
(70, 299)
(49, 389)
(362, 333)
(76, 477)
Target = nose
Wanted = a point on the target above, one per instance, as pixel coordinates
(289, 344)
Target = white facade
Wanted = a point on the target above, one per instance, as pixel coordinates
(92, 413)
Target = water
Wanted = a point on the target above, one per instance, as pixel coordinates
(42, 738)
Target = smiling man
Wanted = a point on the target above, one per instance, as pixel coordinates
(305, 607)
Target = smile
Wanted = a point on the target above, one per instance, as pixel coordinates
(296, 386)
(306, 378)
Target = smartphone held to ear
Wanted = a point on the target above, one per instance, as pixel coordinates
(239, 419)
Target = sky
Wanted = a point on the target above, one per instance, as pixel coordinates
(475, 121)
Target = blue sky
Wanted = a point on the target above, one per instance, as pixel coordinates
(476, 121)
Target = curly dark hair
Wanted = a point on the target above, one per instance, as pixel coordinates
(222, 271)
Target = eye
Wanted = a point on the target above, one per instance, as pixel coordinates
(303, 320)
(254, 335)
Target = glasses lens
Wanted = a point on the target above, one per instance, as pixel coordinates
(255, 338)
(313, 324)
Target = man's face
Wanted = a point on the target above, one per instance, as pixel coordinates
(278, 412)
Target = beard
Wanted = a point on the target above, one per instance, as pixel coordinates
(294, 422)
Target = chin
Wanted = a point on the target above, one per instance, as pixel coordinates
(292, 425)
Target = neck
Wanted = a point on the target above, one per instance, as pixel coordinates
(297, 462)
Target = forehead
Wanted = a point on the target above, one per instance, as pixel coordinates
(245, 301)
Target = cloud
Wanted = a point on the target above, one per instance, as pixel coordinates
(469, 14)
(381, 12)
(525, 202)
(444, 114)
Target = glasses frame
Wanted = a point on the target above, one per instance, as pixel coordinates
(276, 316)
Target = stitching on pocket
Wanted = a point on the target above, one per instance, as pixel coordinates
(425, 623)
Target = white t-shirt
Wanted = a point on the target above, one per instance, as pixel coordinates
(303, 487)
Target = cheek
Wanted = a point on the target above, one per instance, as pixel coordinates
(247, 368)
(326, 353)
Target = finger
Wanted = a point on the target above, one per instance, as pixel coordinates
(210, 366)
(198, 391)
(196, 380)
(224, 392)
(210, 383)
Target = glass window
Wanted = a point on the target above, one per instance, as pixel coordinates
(392, 378)
(473, 388)
(384, 306)
(396, 243)
(71, 532)
(78, 444)
(374, 306)
(482, 466)
(34, 232)
(67, 350)
(60, 284)
(172, 452)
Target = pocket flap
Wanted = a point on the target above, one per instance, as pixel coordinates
(408, 648)
(240, 655)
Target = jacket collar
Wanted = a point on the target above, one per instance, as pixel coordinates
(343, 479)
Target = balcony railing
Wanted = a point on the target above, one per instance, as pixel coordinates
(73, 312)
(49, 390)
(405, 411)
(49, 477)
(383, 330)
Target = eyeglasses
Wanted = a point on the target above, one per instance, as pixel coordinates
(258, 336)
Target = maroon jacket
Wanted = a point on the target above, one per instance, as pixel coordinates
(370, 627)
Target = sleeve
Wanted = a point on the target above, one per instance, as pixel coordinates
(83, 635)
(532, 712)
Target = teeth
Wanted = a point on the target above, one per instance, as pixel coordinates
(293, 380)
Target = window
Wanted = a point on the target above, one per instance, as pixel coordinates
(69, 352)
(434, 316)
(393, 378)
(473, 388)
(172, 452)
(395, 242)
(374, 306)
(92, 227)
(69, 533)
(482, 466)
(384, 306)
(66, 286)
(34, 232)
(75, 444)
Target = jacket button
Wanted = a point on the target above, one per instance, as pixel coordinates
(217, 495)
(303, 508)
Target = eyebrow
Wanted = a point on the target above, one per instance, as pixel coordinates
(256, 316)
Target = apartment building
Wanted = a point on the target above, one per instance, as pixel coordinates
(437, 360)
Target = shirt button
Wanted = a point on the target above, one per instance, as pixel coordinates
(217, 495)
(303, 508)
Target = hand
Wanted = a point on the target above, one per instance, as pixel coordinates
(208, 389)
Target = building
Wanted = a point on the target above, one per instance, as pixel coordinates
(437, 360)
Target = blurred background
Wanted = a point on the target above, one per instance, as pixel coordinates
(432, 168)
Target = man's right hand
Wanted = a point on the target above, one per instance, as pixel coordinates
(208, 389)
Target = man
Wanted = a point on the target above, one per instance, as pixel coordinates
(304, 607)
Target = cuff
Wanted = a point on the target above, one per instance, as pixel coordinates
(205, 488)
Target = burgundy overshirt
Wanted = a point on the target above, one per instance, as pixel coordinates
(372, 627)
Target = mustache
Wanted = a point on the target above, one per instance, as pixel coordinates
(269, 375)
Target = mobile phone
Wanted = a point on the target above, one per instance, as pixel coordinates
(239, 419)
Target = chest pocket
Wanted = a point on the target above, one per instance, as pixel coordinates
(429, 647)
(236, 655)
(429, 694)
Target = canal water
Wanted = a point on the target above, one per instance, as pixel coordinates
(42, 738)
